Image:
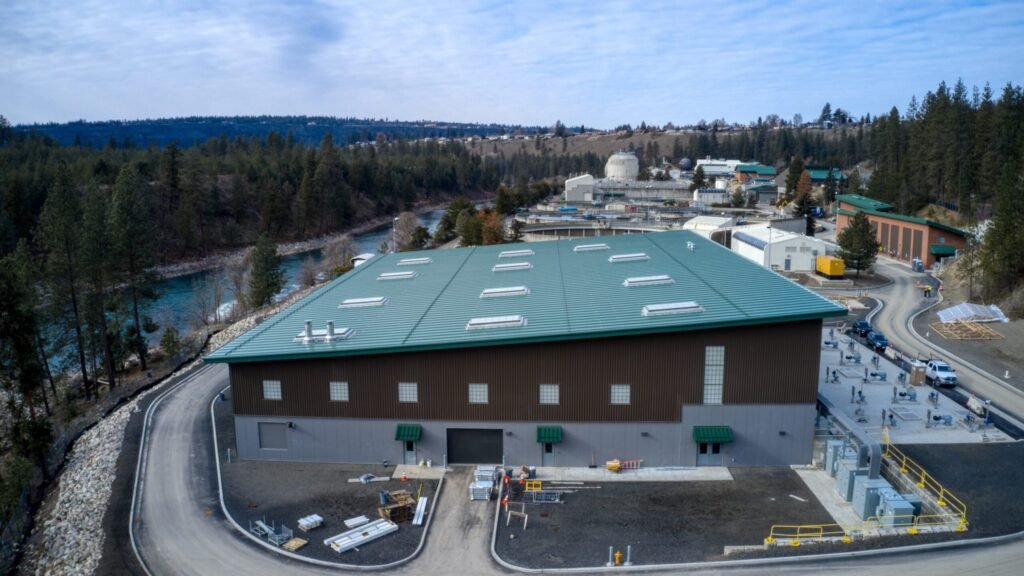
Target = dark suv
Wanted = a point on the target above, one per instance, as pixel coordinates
(877, 341)
(861, 327)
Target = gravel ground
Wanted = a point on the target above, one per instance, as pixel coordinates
(987, 477)
(665, 522)
(286, 491)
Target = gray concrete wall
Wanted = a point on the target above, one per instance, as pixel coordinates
(756, 433)
(755, 429)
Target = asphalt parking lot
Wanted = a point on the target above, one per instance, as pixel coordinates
(664, 522)
(283, 492)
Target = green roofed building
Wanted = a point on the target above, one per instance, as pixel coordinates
(665, 347)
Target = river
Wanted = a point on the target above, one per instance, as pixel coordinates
(175, 302)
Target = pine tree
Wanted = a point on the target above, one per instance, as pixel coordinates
(61, 236)
(132, 239)
(796, 168)
(267, 277)
(699, 180)
(858, 246)
(96, 262)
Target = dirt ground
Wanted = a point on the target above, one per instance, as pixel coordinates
(664, 522)
(283, 492)
(987, 477)
(995, 356)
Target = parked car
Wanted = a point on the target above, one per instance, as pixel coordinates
(938, 372)
(877, 341)
(861, 327)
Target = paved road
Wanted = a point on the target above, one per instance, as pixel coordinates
(179, 527)
(901, 300)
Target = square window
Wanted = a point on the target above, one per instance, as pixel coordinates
(549, 394)
(478, 393)
(271, 389)
(339, 391)
(408, 392)
(620, 394)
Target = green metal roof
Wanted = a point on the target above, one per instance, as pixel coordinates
(819, 174)
(549, 434)
(712, 434)
(903, 218)
(572, 295)
(758, 169)
(408, 432)
(859, 201)
(941, 250)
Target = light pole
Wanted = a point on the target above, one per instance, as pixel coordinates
(394, 235)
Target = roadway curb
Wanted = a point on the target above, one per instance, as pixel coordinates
(293, 556)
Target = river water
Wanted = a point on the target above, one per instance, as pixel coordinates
(175, 302)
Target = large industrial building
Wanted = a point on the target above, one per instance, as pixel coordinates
(620, 183)
(664, 347)
(906, 238)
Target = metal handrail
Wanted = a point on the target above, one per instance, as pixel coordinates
(915, 471)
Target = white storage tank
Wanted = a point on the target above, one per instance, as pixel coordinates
(622, 166)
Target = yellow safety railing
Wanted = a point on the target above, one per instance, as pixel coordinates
(795, 533)
(923, 479)
(913, 524)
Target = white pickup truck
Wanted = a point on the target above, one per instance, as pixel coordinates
(940, 373)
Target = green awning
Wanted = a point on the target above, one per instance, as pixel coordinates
(408, 432)
(712, 434)
(549, 434)
(941, 250)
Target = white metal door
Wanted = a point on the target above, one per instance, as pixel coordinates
(410, 453)
(547, 454)
(709, 454)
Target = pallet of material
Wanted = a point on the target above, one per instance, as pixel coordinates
(310, 522)
(965, 330)
(362, 535)
(421, 510)
(294, 544)
(356, 522)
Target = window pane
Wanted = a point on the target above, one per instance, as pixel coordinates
(407, 392)
(714, 374)
(549, 393)
(620, 394)
(478, 393)
(271, 389)
(339, 391)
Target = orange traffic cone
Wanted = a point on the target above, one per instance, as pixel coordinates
(404, 477)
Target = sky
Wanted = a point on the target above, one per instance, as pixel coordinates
(592, 62)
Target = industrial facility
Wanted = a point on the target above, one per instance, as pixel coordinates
(902, 237)
(663, 347)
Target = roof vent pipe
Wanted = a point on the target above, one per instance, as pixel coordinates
(330, 331)
(308, 337)
(690, 246)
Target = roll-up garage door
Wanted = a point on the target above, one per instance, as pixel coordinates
(474, 446)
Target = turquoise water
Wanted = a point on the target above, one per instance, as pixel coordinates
(175, 304)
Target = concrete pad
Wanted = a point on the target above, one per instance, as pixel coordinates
(824, 488)
(418, 472)
(911, 422)
(667, 474)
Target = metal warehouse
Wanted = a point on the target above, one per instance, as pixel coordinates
(664, 347)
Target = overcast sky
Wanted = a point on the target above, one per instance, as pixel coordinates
(591, 62)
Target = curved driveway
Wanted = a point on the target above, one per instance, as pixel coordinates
(179, 527)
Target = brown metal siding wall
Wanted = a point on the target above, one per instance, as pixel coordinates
(764, 365)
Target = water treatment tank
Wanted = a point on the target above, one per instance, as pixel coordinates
(622, 166)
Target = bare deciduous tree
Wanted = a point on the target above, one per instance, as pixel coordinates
(337, 255)
(405, 227)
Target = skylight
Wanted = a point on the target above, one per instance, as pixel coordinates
(590, 247)
(515, 253)
(414, 261)
(397, 275)
(363, 302)
(496, 322)
(635, 257)
(508, 291)
(648, 280)
(511, 266)
(672, 308)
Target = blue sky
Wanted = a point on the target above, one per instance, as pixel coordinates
(591, 62)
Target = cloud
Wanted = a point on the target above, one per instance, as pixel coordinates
(597, 63)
